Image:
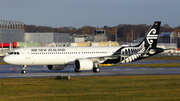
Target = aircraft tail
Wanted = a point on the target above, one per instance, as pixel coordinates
(146, 48)
(150, 41)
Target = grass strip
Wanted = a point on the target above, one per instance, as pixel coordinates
(104, 88)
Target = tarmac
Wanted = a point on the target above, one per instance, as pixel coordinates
(14, 71)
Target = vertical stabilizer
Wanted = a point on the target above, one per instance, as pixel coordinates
(146, 48)
(150, 41)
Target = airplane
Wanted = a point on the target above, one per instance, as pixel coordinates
(86, 58)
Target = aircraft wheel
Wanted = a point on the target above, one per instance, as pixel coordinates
(23, 72)
(96, 70)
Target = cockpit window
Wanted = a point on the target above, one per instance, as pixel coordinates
(15, 53)
(10, 53)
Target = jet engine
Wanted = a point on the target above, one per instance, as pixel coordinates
(83, 64)
(56, 67)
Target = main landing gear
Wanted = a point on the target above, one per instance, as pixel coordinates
(96, 69)
(23, 71)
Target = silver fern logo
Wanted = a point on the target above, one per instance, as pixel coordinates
(134, 52)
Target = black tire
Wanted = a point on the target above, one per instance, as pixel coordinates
(23, 72)
(96, 70)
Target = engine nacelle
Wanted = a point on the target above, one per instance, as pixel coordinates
(83, 64)
(56, 67)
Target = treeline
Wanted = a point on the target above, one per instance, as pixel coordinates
(124, 31)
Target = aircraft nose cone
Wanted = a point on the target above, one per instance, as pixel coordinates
(6, 59)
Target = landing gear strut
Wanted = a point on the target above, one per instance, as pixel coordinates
(96, 69)
(23, 71)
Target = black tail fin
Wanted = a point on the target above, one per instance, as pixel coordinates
(150, 41)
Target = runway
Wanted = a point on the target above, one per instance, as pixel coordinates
(14, 71)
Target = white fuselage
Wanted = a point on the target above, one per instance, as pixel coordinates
(85, 58)
(55, 55)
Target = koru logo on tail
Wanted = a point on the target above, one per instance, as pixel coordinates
(151, 35)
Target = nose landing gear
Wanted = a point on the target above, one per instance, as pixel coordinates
(23, 71)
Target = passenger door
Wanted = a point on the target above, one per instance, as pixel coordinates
(27, 53)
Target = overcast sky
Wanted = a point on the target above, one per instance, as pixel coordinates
(97, 13)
